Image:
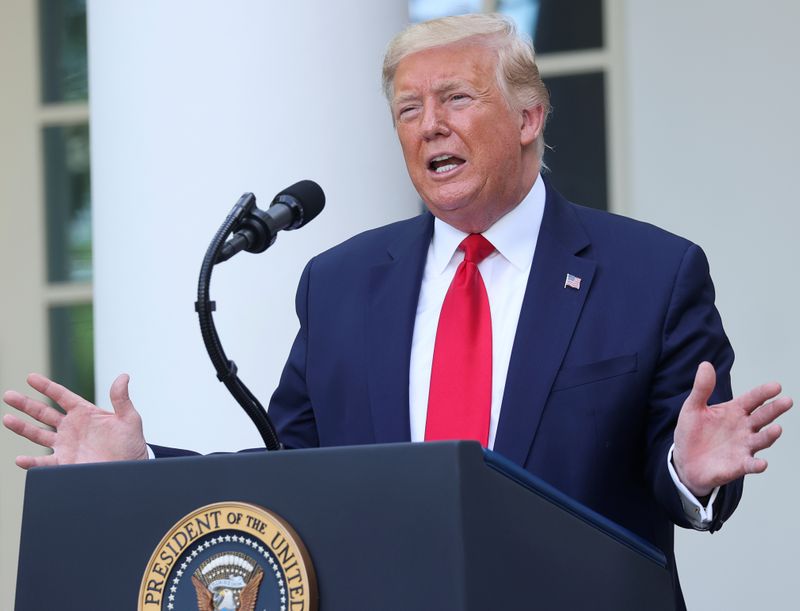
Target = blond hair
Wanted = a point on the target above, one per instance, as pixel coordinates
(517, 74)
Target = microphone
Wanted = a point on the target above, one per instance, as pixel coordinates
(292, 208)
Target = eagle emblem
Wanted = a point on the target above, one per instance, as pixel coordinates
(229, 556)
(227, 581)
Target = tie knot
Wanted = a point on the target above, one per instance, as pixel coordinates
(476, 248)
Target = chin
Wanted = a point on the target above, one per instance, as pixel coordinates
(458, 216)
(448, 202)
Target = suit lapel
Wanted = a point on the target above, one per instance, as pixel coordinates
(394, 292)
(547, 320)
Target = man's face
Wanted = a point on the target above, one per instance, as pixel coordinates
(469, 155)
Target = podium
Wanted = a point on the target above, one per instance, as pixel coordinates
(440, 526)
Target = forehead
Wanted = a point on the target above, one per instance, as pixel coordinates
(467, 63)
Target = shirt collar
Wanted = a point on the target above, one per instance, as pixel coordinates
(514, 235)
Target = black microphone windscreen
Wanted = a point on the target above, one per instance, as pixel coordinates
(310, 196)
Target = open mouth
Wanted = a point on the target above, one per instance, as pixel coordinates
(444, 163)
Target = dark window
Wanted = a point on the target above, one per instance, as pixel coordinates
(71, 348)
(558, 25)
(62, 26)
(577, 134)
(68, 203)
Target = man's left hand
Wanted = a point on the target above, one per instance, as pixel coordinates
(716, 444)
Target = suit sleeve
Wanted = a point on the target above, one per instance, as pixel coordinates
(290, 407)
(167, 452)
(692, 332)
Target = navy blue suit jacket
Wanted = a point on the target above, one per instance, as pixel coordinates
(597, 375)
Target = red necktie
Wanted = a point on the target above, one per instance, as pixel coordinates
(460, 397)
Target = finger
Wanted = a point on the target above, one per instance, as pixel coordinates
(120, 399)
(769, 412)
(30, 432)
(26, 462)
(757, 396)
(35, 409)
(704, 381)
(765, 437)
(755, 465)
(58, 393)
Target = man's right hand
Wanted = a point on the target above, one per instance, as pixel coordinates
(83, 433)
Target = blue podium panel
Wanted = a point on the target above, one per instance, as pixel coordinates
(435, 526)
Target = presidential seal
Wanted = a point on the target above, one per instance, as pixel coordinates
(229, 557)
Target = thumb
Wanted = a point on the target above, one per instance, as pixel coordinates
(120, 400)
(704, 382)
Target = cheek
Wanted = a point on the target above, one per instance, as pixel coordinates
(410, 154)
(500, 150)
(406, 138)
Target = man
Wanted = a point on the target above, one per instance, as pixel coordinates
(587, 343)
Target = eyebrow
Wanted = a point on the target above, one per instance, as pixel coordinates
(445, 86)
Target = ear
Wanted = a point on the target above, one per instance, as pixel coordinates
(532, 124)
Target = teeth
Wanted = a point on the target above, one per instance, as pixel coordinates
(440, 158)
(446, 168)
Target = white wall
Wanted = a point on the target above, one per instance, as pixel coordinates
(712, 154)
(193, 103)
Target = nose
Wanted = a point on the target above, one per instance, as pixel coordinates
(434, 121)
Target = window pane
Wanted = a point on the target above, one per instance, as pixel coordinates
(72, 348)
(422, 10)
(525, 14)
(554, 25)
(68, 203)
(558, 25)
(62, 26)
(577, 134)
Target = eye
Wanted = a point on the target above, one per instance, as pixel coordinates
(459, 97)
(405, 112)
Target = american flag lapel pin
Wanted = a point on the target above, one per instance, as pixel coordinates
(572, 282)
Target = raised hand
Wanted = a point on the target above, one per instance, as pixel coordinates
(84, 433)
(716, 444)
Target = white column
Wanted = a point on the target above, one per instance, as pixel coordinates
(192, 104)
(714, 128)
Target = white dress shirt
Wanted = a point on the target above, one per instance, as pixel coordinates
(505, 273)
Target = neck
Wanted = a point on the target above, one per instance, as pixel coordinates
(478, 221)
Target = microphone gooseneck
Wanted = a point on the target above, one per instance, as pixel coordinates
(254, 230)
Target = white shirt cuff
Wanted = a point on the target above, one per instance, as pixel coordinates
(700, 517)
